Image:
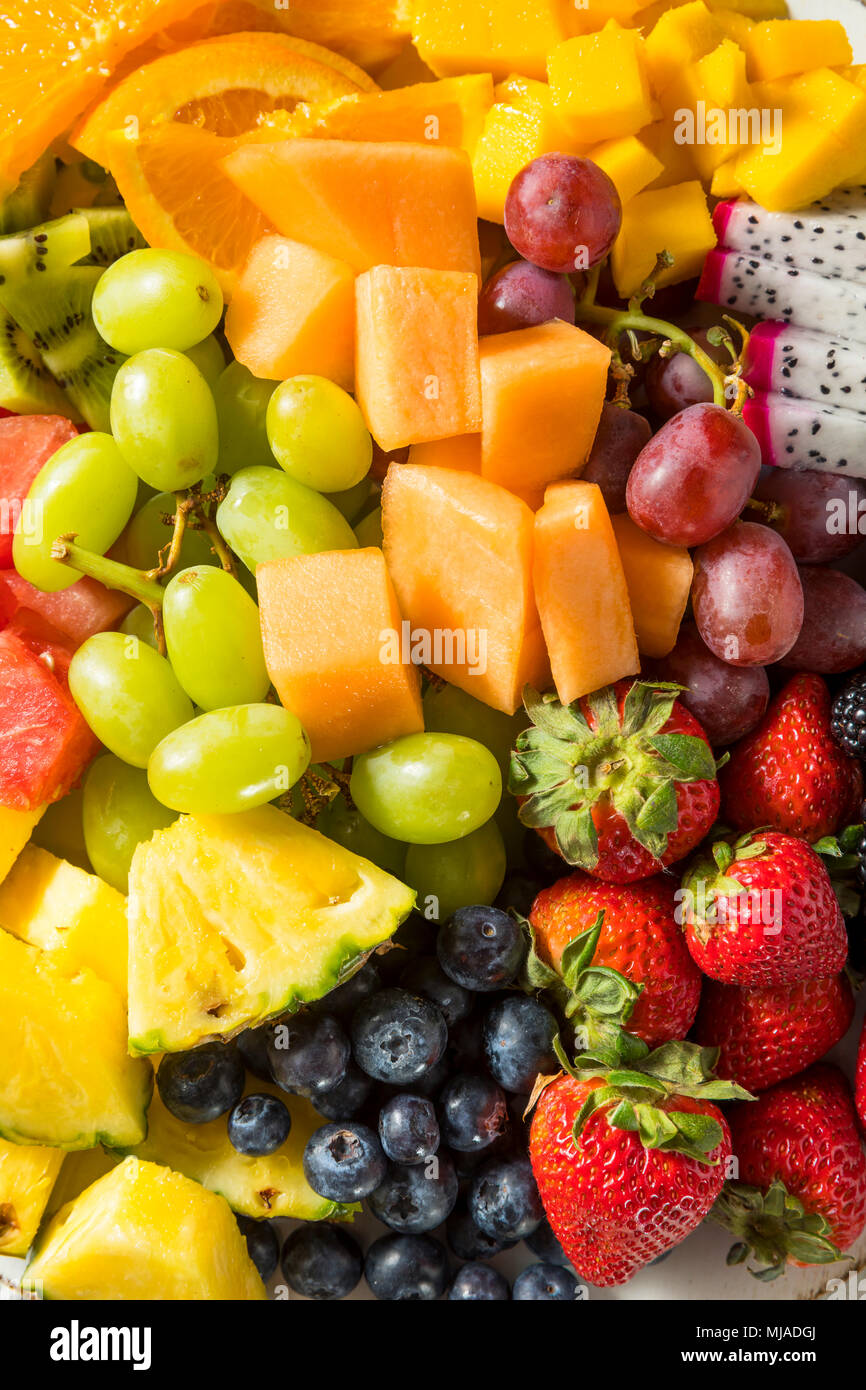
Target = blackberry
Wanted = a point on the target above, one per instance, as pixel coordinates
(848, 717)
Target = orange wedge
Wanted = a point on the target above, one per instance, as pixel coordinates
(179, 198)
(221, 85)
(56, 57)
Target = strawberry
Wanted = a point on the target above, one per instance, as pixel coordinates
(790, 773)
(620, 783)
(763, 912)
(860, 1080)
(801, 1193)
(639, 938)
(768, 1034)
(629, 1162)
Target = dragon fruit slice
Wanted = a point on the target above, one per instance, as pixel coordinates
(771, 291)
(800, 362)
(802, 434)
(828, 238)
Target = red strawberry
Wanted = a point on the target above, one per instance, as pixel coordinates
(768, 1034)
(639, 937)
(801, 1193)
(860, 1080)
(763, 912)
(624, 1172)
(620, 784)
(790, 773)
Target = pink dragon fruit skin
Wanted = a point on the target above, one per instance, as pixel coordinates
(800, 362)
(827, 238)
(747, 285)
(796, 433)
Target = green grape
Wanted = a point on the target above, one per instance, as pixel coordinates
(229, 760)
(210, 359)
(318, 435)
(348, 828)
(139, 623)
(427, 789)
(368, 530)
(156, 299)
(86, 489)
(60, 830)
(214, 639)
(242, 408)
(147, 534)
(352, 502)
(268, 516)
(449, 710)
(119, 813)
(164, 419)
(128, 694)
(462, 873)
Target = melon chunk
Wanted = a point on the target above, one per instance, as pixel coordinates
(293, 313)
(364, 202)
(459, 550)
(27, 1175)
(659, 580)
(463, 453)
(581, 592)
(417, 374)
(236, 919)
(542, 390)
(325, 624)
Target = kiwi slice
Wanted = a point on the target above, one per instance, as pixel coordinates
(50, 247)
(112, 234)
(26, 385)
(28, 203)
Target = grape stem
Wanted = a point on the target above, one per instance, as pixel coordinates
(138, 585)
(184, 505)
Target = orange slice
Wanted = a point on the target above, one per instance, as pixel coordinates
(221, 85)
(179, 198)
(55, 59)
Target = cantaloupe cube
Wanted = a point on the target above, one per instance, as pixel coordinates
(16, 827)
(782, 47)
(459, 550)
(679, 166)
(330, 623)
(581, 592)
(364, 202)
(463, 452)
(417, 374)
(599, 84)
(293, 311)
(542, 390)
(496, 36)
(450, 112)
(699, 101)
(664, 219)
(659, 580)
(680, 37)
(629, 163)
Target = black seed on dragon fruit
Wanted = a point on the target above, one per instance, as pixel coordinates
(800, 362)
(804, 434)
(828, 237)
(748, 285)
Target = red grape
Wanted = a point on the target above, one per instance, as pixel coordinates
(727, 701)
(674, 383)
(521, 295)
(694, 477)
(819, 512)
(562, 213)
(620, 436)
(833, 635)
(746, 596)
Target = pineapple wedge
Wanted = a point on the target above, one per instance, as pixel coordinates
(236, 919)
(27, 1176)
(16, 828)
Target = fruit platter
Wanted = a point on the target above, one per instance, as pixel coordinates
(432, 650)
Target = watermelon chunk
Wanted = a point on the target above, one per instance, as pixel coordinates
(46, 743)
(72, 615)
(26, 444)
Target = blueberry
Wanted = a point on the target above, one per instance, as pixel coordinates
(473, 1112)
(309, 1054)
(425, 976)
(481, 1283)
(253, 1047)
(322, 1261)
(480, 948)
(548, 1283)
(403, 1268)
(346, 1100)
(259, 1125)
(543, 1243)
(467, 1163)
(344, 1162)
(408, 1128)
(398, 1036)
(504, 1200)
(417, 1198)
(342, 1002)
(518, 1041)
(202, 1085)
(262, 1244)
(434, 1078)
(468, 1241)
(519, 893)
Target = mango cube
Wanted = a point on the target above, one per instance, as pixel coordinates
(680, 37)
(662, 219)
(725, 183)
(678, 166)
(753, 9)
(628, 163)
(699, 102)
(736, 26)
(599, 84)
(782, 47)
(515, 132)
(496, 36)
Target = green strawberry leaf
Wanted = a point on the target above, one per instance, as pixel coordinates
(579, 952)
(689, 755)
(577, 838)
